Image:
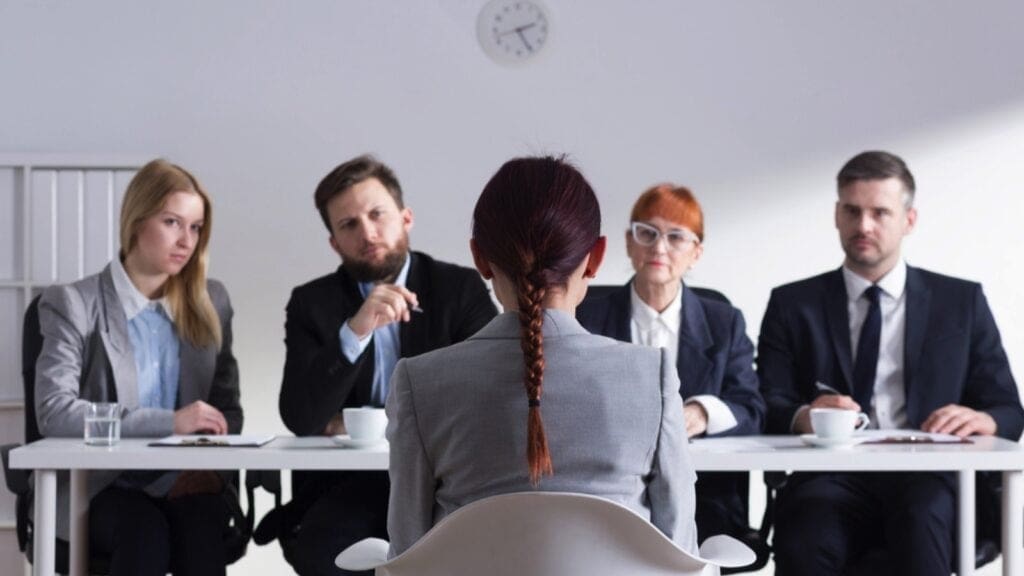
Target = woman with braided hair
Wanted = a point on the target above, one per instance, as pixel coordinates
(598, 416)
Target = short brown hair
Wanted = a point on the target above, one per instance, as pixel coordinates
(350, 173)
(878, 165)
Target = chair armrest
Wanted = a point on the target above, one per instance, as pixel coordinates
(366, 554)
(726, 551)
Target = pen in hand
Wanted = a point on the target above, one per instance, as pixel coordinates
(825, 388)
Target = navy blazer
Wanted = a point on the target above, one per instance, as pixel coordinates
(319, 380)
(715, 355)
(952, 353)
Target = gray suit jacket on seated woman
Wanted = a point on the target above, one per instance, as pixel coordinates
(87, 357)
(457, 427)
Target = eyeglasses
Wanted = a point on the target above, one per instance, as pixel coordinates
(677, 239)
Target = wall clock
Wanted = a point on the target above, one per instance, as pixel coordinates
(512, 31)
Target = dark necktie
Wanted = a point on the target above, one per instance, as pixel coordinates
(866, 366)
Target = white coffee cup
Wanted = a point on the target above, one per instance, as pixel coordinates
(837, 423)
(365, 423)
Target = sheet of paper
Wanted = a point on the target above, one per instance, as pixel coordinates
(909, 437)
(203, 440)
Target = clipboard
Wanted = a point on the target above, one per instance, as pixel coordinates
(213, 441)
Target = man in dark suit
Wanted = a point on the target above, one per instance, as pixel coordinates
(911, 348)
(344, 333)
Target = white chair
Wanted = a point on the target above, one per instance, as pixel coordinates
(545, 533)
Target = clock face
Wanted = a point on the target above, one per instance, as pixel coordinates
(512, 31)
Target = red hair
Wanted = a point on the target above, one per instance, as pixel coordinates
(673, 203)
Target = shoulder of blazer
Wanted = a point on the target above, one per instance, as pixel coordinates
(218, 293)
(807, 287)
(608, 313)
(919, 278)
(427, 272)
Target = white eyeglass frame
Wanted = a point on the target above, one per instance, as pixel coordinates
(679, 239)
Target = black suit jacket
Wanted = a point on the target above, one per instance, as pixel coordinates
(715, 355)
(318, 379)
(952, 354)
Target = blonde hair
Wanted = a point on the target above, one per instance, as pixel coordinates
(195, 319)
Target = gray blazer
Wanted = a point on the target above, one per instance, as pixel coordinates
(611, 411)
(87, 357)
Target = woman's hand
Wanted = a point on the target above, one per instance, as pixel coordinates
(696, 419)
(199, 417)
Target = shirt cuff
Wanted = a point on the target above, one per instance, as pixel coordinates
(351, 346)
(720, 417)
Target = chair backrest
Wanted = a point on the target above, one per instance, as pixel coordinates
(595, 291)
(31, 346)
(550, 533)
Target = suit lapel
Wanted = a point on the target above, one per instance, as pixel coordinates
(694, 341)
(837, 313)
(918, 300)
(117, 344)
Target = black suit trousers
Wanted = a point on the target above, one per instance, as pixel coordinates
(145, 536)
(344, 509)
(826, 522)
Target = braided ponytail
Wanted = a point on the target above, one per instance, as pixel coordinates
(531, 321)
(536, 220)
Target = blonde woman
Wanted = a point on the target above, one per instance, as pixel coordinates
(153, 334)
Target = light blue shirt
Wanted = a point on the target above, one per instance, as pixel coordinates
(386, 351)
(155, 343)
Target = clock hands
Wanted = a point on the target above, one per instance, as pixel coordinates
(518, 30)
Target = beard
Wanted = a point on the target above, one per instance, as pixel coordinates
(384, 271)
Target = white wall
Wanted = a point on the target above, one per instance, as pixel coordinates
(755, 105)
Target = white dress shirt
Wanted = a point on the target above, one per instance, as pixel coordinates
(661, 330)
(889, 403)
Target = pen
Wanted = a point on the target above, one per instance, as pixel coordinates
(825, 388)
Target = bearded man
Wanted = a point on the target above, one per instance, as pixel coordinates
(344, 333)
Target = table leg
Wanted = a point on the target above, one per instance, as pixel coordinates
(78, 543)
(44, 545)
(1013, 522)
(965, 532)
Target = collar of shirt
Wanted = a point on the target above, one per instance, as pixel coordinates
(648, 318)
(132, 301)
(893, 283)
(403, 274)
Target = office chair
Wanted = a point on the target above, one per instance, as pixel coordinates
(545, 534)
(236, 536)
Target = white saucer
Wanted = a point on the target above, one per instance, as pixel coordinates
(814, 440)
(348, 442)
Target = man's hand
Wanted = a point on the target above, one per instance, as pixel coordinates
(199, 417)
(696, 419)
(802, 425)
(335, 426)
(385, 304)
(959, 420)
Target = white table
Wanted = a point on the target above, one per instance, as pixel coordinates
(49, 455)
(770, 453)
(788, 453)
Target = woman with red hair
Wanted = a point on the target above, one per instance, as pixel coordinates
(598, 416)
(704, 336)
